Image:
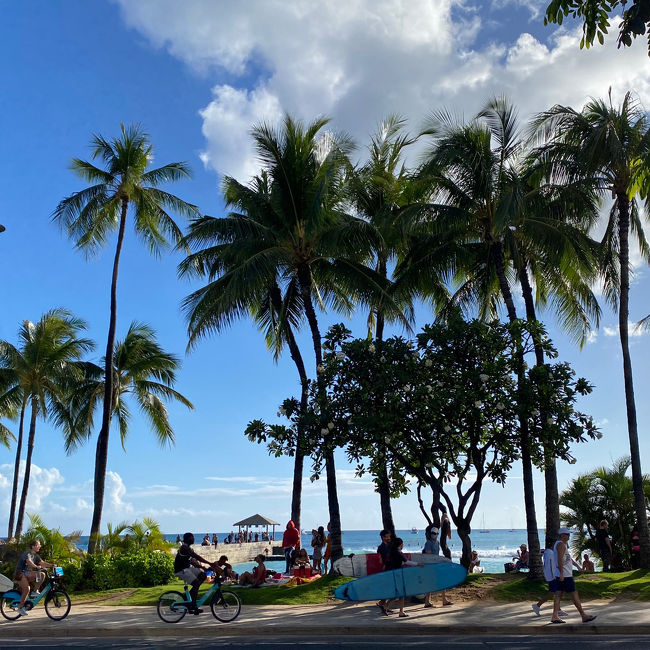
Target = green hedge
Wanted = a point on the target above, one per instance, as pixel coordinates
(135, 569)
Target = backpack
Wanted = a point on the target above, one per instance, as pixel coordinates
(548, 561)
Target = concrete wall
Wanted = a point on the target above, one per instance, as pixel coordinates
(234, 552)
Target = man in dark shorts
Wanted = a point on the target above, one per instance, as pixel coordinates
(604, 545)
(187, 567)
(27, 570)
(563, 582)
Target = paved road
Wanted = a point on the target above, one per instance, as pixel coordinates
(359, 643)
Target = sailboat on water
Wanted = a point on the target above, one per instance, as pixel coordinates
(483, 528)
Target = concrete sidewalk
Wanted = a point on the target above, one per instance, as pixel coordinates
(622, 617)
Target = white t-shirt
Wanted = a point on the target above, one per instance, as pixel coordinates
(548, 561)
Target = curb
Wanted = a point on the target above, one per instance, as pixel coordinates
(8, 632)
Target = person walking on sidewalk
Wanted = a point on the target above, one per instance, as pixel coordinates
(548, 565)
(563, 582)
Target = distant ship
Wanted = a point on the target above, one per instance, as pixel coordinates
(414, 531)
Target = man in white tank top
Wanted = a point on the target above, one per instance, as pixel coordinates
(563, 582)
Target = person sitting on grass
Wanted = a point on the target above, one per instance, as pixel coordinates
(257, 577)
(475, 564)
(225, 570)
(521, 561)
(301, 560)
(187, 567)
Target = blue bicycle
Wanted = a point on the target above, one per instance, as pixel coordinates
(57, 601)
(225, 605)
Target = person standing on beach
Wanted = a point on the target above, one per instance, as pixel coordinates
(563, 582)
(290, 541)
(445, 533)
(432, 547)
(604, 545)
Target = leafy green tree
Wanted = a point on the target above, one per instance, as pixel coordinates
(90, 215)
(595, 15)
(142, 371)
(40, 371)
(610, 146)
(604, 493)
(142, 535)
(444, 411)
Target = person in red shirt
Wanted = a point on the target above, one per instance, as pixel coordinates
(290, 541)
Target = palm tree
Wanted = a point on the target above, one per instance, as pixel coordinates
(379, 191)
(293, 235)
(610, 146)
(90, 215)
(233, 292)
(42, 369)
(143, 371)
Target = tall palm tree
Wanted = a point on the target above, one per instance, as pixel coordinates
(379, 191)
(142, 371)
(233, 291)
(296, 236)
(611, 147)
(43, 368)
(92, 214)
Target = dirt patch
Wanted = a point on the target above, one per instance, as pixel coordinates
(105, 600)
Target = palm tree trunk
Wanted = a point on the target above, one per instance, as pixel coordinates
(550, 467)
(535, 562)
(623, 315)
(101, 454)
(14, 488)
(28, 468)
(299, 457)
(304, 278)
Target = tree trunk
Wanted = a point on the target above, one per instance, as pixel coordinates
(463, 529)
(299, 458)
(383, 487)
(527, 465)
(14, 488)
(304, 278)
(28, 468)
(101, 453)
(550, 468)
(623, 315)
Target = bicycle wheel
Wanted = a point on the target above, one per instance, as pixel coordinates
(225, 606)
(57, 604)
(9, 605)
(165, 610)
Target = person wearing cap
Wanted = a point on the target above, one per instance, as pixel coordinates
(563, 582)
(432, 547)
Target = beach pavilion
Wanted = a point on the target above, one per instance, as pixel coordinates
(257, 520)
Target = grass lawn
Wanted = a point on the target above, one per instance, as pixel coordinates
(485, 586)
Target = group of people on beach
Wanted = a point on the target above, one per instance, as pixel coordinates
(297, 557)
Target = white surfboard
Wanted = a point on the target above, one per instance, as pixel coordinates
(366, 564)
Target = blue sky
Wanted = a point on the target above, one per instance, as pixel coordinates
(197, 75)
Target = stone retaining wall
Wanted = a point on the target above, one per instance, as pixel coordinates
(234, 552)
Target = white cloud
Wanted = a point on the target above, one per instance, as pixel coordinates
(358, 61)
(632, 330)
(592, 337)
(535, 7)
(41, 483)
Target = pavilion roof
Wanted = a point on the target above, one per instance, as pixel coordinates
(256, 520)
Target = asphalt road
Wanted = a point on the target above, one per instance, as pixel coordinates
(622, 642)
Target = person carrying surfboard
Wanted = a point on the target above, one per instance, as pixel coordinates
(384, 552)
(397, 560)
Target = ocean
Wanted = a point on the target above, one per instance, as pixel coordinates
(495, 547)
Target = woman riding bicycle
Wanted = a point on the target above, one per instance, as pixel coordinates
(27, 571)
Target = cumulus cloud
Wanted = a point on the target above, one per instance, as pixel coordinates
(359, 61)
(41, 483)
(632, 329)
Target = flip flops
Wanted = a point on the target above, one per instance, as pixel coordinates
(589, 619)
(558, 620)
